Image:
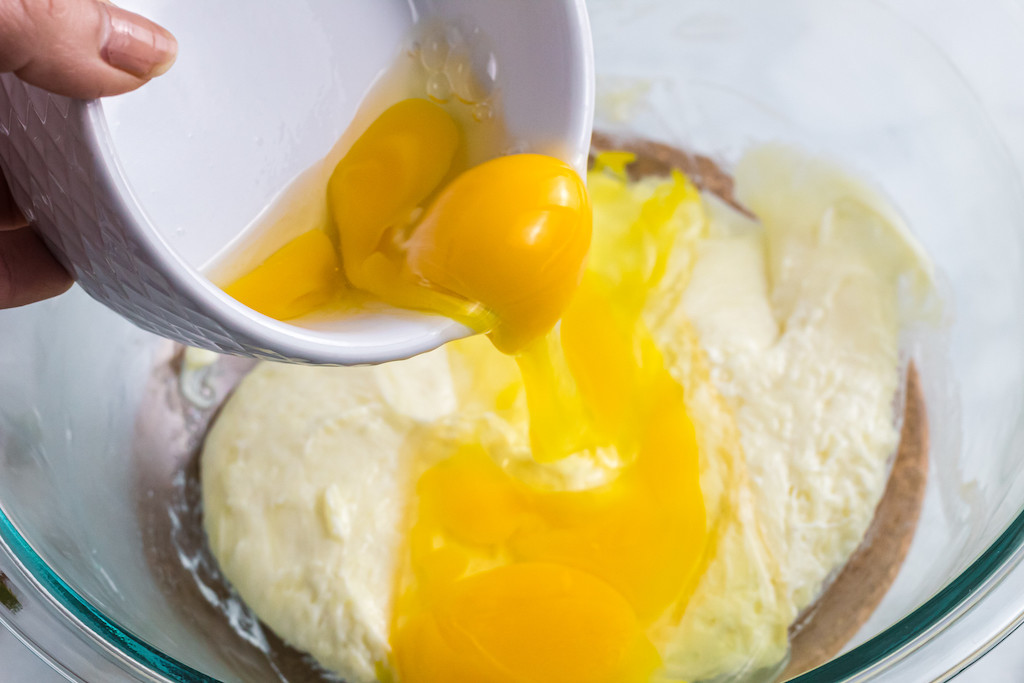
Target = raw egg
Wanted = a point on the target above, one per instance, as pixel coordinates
(425, 211)
(508, 583)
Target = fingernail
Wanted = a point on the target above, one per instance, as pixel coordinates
(135, 44)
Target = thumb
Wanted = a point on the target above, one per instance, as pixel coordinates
(81, 48)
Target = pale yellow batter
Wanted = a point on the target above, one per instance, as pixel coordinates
(307, 477)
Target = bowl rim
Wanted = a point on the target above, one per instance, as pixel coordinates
(876, 656)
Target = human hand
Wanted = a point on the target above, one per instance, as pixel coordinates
(77, 48)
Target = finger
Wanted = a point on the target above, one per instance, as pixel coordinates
(10, 215)
(81, 48)
(28, 271)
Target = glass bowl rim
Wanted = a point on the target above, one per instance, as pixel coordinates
(873, 656)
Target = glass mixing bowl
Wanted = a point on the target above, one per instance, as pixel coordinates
(104, 571)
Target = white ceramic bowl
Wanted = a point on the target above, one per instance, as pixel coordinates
(135, 194)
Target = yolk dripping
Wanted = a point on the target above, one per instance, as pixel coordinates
(499, 246)
(514, 584)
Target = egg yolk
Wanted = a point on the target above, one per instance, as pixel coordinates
(513, 234)
(499, 246)
(390, 171)
(299, 278)
(511, 583)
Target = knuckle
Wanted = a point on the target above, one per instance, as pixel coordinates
(17, 33)
(29, 28)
